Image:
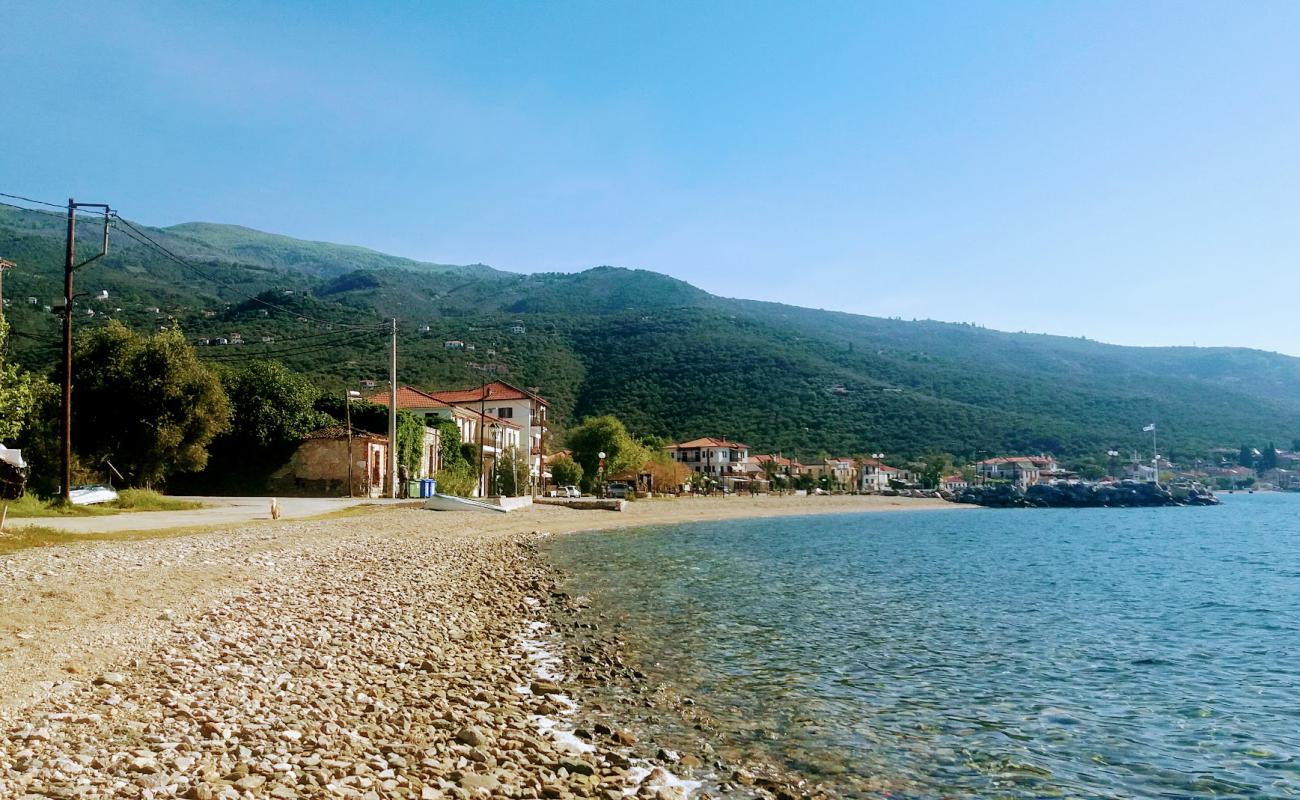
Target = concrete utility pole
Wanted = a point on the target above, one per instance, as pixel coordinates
(392, 415)
(69, 265)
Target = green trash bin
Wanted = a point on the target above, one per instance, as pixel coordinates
(412, 489)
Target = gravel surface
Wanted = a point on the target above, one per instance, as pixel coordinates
(403, 653)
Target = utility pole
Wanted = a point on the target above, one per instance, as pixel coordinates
(482, 423)
(69, 265)
(392, 415)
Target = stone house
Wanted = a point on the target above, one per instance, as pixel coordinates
(319, 467)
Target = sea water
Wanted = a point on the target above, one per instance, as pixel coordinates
(980, 653)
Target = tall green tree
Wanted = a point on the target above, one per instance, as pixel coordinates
(1268, 459)
(144, 402)
(17, 393)
(605, 434)
(273, 407)
(1246, 458)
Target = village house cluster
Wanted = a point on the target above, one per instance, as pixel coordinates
(497, 417)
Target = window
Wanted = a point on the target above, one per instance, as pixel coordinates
(505, 413)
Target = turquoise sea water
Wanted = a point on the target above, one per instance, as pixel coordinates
(982, 653)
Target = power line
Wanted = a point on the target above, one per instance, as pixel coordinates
(30, 200)
(204, 275)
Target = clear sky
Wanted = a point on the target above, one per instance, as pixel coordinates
(1125, 171)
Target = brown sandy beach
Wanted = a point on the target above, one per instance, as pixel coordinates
(397, 653)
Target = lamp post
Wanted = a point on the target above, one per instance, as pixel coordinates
(1112, 455)
(600, 471)
(347, 403)
(496, 457)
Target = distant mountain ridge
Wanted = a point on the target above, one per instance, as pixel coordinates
(671, 359)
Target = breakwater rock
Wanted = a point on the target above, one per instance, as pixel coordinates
(1084, 494)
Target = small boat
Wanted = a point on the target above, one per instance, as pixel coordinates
(91, 495)
(447, 502)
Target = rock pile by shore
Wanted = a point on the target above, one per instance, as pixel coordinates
(1084, 494)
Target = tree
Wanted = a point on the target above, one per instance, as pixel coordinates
(512, 474)
(565, 471)
(144, 402)
(272, 407)
(1246, 458)
(1268, 459)
(18, 393)
(605, 434)
(666, 474)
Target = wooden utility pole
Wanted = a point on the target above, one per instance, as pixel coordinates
(69, 265)
(392, 415)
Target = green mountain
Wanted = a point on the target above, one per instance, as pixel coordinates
(670, 359)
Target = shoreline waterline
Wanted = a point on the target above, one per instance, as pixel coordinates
(1107, 653)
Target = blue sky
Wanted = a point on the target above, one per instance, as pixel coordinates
(1125, 171)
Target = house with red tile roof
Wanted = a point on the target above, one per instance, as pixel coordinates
(509, 405)
(493, 433)
(723, 461)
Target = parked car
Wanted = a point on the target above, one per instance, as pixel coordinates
(570, 491)
(618, 490)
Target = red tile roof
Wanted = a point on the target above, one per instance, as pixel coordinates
(710, 441)
(340, 432)
(496, 390)
(408, 397)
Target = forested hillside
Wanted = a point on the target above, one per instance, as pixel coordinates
(667, 357)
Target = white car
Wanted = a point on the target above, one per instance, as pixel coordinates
(570, 491)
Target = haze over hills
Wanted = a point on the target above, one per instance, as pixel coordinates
(670, 359)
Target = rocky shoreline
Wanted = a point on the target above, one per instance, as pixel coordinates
(373, 657)
(1087, 494)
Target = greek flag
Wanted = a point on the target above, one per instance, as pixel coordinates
(1149, 428)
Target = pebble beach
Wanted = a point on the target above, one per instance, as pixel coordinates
(398, 653)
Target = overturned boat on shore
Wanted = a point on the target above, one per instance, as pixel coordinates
(447, 502)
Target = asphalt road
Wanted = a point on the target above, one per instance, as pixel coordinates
(219, 511)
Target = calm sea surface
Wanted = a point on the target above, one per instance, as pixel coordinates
(982, 653)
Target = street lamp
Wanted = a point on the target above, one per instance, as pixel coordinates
(495, 429)
(600, 471)
(347, 403)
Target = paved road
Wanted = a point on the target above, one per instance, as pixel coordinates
(220, 511)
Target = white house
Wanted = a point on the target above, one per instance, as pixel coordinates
(874, 475)
(524, 408)
(724, 461)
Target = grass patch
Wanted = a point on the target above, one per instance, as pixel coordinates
(30, 536)
(29, 505)
(149, 500)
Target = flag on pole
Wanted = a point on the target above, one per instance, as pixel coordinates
(1149, 428)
